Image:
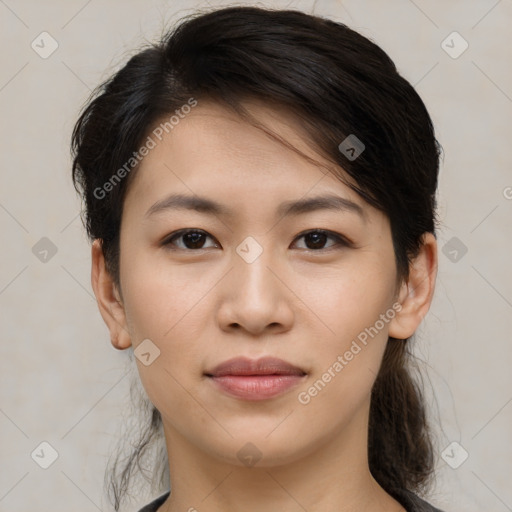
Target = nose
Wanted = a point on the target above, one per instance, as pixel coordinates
(255, 298)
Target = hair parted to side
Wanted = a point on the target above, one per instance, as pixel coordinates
(335, 82)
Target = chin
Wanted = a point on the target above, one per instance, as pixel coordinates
(258, 449)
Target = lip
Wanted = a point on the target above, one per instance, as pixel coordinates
(262, 366)
(255, 379)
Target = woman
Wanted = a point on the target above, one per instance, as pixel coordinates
(259, 191)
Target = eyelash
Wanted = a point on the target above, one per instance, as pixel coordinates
(341, 240)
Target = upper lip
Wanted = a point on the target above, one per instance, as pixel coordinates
(262, 366)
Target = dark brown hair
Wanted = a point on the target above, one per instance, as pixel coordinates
(336, 83)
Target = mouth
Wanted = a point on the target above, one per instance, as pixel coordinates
(261, 379)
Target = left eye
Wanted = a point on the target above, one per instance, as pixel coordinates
(318, 237)
(315, 239)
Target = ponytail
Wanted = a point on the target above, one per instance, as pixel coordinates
(400, 449)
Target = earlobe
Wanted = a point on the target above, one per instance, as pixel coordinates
(108, 298)
(415, 295)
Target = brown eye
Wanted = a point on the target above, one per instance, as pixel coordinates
(195, 239)
(191, 239)
(316, 239)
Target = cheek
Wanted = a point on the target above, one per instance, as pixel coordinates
(161, 296)
(346, 299)
(170, 309)
(356, 307)
(171, 305)
(346, 364)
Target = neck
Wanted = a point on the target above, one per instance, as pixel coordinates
(331, 477)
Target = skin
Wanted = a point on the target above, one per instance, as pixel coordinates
(299, 303)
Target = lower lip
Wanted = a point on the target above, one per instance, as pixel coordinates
(256, 387)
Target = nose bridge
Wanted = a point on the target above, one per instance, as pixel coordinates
(254, 298)
(251, 263)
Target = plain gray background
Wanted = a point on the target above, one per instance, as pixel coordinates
(64, 384)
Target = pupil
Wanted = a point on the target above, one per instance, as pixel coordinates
(193, 238)
(317, 238)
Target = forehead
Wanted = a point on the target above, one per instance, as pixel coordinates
(211, 131)
(212, 151)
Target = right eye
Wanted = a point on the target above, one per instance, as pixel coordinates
(192, 239)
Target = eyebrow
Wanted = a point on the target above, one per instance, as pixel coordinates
(293, 207)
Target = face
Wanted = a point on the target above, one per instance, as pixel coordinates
(313, 285)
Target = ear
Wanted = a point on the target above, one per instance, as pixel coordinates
(109, 299)
(415, 295)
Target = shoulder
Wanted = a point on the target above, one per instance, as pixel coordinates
(413, 503)
(153, 506)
